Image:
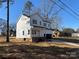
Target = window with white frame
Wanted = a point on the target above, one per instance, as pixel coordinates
(40, 23)
(44, 24)
(48, 25)
(34, 21)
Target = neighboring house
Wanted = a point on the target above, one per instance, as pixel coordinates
(33, 26)
(75, 34)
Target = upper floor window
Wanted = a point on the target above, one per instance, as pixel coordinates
(34, 21)
(44, 24)
(40, 22)
(48, 25)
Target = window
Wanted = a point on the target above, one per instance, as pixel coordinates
(40, 22)
(44, 24)
(34, 21)
(48, 25)
(28, 31)
(23, 33)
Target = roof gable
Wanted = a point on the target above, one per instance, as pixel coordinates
(39, 16)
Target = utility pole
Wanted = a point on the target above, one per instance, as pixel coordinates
(7, 37)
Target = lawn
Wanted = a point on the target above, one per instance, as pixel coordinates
(36, 52)
(39, 50)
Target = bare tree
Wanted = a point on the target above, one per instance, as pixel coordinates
(48, 11)
(12, 30)
(56, 22)
(8, 2)
(3, 26)
(27, 8)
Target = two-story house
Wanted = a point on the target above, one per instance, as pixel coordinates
(33, 26)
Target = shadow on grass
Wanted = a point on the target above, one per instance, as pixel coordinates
(35, 52)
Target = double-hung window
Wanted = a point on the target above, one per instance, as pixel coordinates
(44, 24)
(34, 21)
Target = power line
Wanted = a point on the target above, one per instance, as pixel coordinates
(63, 9)
(51, 8)
(69, 8)
(57, 12)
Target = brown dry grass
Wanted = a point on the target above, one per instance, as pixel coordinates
(36, 52)
(19, 49)
(14, 41)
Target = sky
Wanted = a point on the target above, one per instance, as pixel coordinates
(68, 21)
